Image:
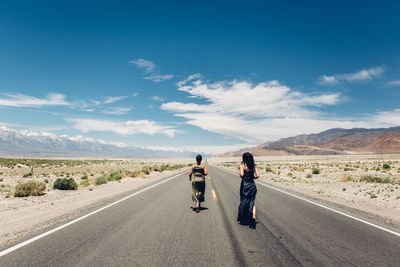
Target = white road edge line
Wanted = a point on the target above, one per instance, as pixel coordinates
(322, 206)
(33, 239)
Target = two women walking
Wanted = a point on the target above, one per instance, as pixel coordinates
(248, 189)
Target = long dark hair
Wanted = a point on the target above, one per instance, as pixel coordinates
(198, 159)
(249, 160)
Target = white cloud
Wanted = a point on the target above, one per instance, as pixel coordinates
(328, 79)
(253, 113)
(114, 99)
(144, 64)
(362, 75)
(159, 78)
(116, 111)
(157, 98)
(386, 118)
(123, 127)
(394, 83)
(20, 100)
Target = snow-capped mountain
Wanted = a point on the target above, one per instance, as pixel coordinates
(42, 144)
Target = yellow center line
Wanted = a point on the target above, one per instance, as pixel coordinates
(214, 195)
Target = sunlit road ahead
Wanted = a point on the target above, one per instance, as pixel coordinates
(159, 228)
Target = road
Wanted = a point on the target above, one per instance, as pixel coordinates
(159, 228)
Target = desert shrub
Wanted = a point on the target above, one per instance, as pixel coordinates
(65, 184)
(84, 183)
(146, 170)
(268, 169)
(309, 175)
(26, 175)
(373, 196)
(347, 169)
(387, 180)
(371, 179)
(84, 177)
(100, 180)
(30, 188)
(386, 166)
(46, 181)
(114, 176)
(315, 171)
(345, 178)
(1, 179)
(132, 174)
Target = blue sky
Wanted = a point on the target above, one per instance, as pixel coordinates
(198, 74)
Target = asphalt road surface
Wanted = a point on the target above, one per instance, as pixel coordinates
(158, 227)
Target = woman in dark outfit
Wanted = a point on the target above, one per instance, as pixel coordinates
(198, 181)
(248, 191)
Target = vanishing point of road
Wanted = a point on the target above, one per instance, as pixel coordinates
(158, 227)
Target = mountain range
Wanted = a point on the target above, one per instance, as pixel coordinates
(332, 141)
(14, 143)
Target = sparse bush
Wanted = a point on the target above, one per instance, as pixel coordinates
(30, 188)
(84, 183)
(373, 196)
(146, 170)
(309, 175)
(268, 169)
(315, 171)
(345, 178)
(84, 177)
(46, 181)
(387, 180)
(100, 180)
(1, 179)
(386, 166)
(26, 175)
(114, 176)
(65, 184)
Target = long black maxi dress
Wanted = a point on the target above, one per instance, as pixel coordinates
(248, 191)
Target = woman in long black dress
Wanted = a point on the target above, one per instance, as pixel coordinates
(248, 191)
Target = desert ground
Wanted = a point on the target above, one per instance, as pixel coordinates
(368, 184)
(98, 182)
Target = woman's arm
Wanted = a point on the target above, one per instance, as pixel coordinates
(205, 170)
(256, 172)
(190, 173)
(242, 169)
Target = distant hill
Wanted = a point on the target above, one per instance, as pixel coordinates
(332, 141)
(15, 143)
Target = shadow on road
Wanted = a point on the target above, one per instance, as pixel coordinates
(201, 208)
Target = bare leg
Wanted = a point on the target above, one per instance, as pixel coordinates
(254, 212)
(197, 206)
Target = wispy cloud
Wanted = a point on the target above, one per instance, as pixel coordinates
(149, 68)
(251, 112)
(116, 111)
(21, 100)
(122, 127)
(394, 83)
(157, 98)
(159, 78)
(144, 64)
(112, 99)
(362, 75)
